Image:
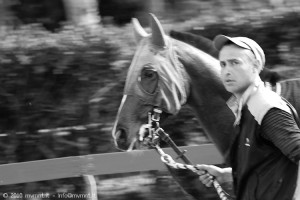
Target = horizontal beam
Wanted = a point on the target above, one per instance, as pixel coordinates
(67, 130)
(100, 164)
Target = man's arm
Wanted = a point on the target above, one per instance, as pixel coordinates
(297, 191)
(280, 128)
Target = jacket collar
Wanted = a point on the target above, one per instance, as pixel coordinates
(236, 104)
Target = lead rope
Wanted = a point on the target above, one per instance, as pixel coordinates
(168, 160)
(156, 132)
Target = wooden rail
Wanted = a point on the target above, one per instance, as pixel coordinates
(100, 164)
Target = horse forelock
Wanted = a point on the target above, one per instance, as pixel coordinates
(173, 86)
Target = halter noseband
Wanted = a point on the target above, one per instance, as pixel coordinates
(152, 138)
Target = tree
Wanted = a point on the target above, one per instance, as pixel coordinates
(82, 12)
(7, 17)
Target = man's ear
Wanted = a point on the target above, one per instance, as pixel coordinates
(257, 66)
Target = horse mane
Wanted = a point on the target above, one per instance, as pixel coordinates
(197, 41)
(192, 57)
(206, 45)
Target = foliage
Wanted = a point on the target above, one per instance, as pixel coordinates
(278, 35)
(76, 76)
(48, 79)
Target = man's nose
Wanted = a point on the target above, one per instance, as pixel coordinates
(226, 71)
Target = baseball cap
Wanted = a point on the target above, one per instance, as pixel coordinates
(244, 42)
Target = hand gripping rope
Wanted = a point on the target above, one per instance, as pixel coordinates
(168, 160)
(156, 132)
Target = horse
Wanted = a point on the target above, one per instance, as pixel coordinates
(168, 73)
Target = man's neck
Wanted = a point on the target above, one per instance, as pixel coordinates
(255, 83)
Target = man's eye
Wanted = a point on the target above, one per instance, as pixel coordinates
(235, 62)
(222, 64)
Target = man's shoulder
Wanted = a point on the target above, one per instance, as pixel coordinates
(262, 101)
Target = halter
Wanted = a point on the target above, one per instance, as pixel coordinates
(152, 138)
(156, 133)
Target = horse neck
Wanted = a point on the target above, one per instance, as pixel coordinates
(207, 95)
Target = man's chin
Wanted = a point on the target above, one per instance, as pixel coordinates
(230, 89)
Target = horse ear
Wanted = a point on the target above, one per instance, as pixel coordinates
(139, 32)
(157, 32)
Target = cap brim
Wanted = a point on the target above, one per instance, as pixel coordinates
(220, 40)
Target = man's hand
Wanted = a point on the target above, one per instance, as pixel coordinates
(208, 173)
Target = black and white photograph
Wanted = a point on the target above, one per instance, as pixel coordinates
(149, 100)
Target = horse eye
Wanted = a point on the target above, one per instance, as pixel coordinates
(149, 80)
(148, 74)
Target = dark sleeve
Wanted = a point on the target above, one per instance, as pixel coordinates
(280, 128)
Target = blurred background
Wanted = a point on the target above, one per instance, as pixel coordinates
(63, 66)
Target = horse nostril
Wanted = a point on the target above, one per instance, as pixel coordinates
(121, 134)
(121, 139)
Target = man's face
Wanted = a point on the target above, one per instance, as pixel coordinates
(238, 70)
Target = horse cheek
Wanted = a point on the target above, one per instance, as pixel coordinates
(133, 115)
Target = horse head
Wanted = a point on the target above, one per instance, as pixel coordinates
(155, 79)
(167, 74)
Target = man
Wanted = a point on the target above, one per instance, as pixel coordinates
(265, 151)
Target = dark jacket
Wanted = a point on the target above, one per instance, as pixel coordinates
(260, 170)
